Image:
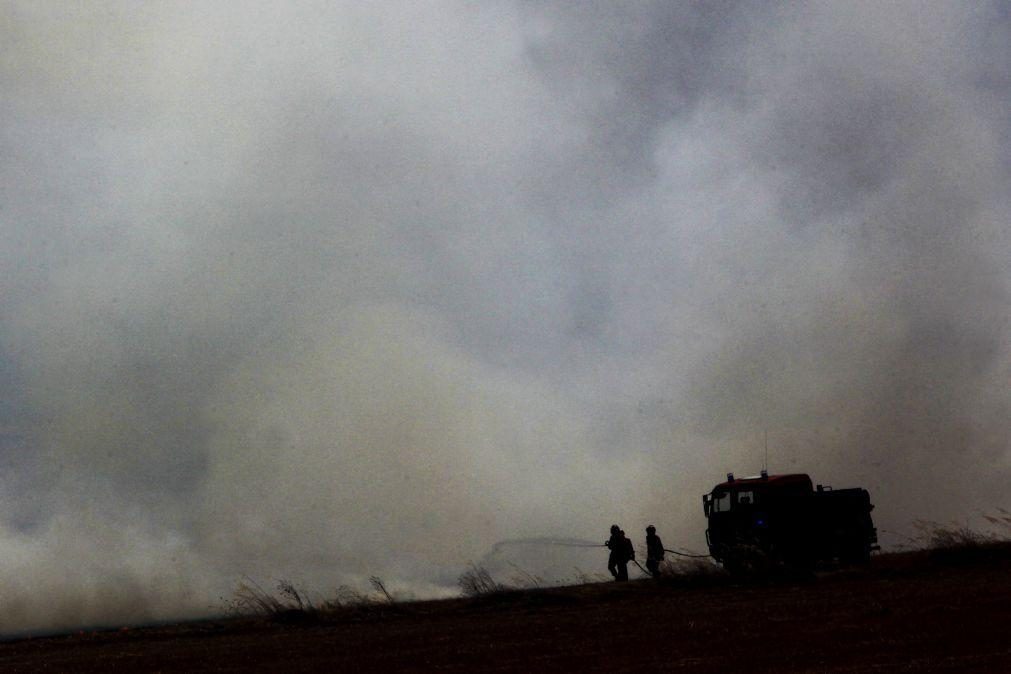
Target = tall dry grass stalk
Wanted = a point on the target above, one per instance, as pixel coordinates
(477, 581)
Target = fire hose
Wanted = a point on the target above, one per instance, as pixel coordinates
(640, 567)
(684, 554)
(582, 543)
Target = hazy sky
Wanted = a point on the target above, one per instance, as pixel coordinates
(320, 290)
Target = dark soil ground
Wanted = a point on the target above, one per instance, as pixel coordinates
(912, 612)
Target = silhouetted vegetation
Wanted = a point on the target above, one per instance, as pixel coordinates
(291, 604)
(958, 543)
(477, 582)
(251, 598)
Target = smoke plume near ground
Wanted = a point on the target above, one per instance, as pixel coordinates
(321, 292)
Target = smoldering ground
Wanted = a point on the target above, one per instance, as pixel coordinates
(323, 291)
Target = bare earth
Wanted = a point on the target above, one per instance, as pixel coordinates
(905, 613)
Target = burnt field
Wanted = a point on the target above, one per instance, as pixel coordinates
(915, 612)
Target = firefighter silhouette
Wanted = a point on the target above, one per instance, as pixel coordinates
(622, 553)
(654, 551)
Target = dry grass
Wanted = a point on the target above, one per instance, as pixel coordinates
(380, 587)
(954, 542)
(523, 579)
(477, 582)
(290, 604)
(251, 598)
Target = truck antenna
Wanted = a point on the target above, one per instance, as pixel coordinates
(765, 464)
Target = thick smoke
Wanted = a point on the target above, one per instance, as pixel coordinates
(320, 292)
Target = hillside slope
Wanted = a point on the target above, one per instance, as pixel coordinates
(909, 612)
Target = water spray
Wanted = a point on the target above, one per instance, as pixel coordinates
(562, 542)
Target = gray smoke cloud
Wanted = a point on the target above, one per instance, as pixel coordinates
(322, 290)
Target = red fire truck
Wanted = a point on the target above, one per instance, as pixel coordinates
(784, 519)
